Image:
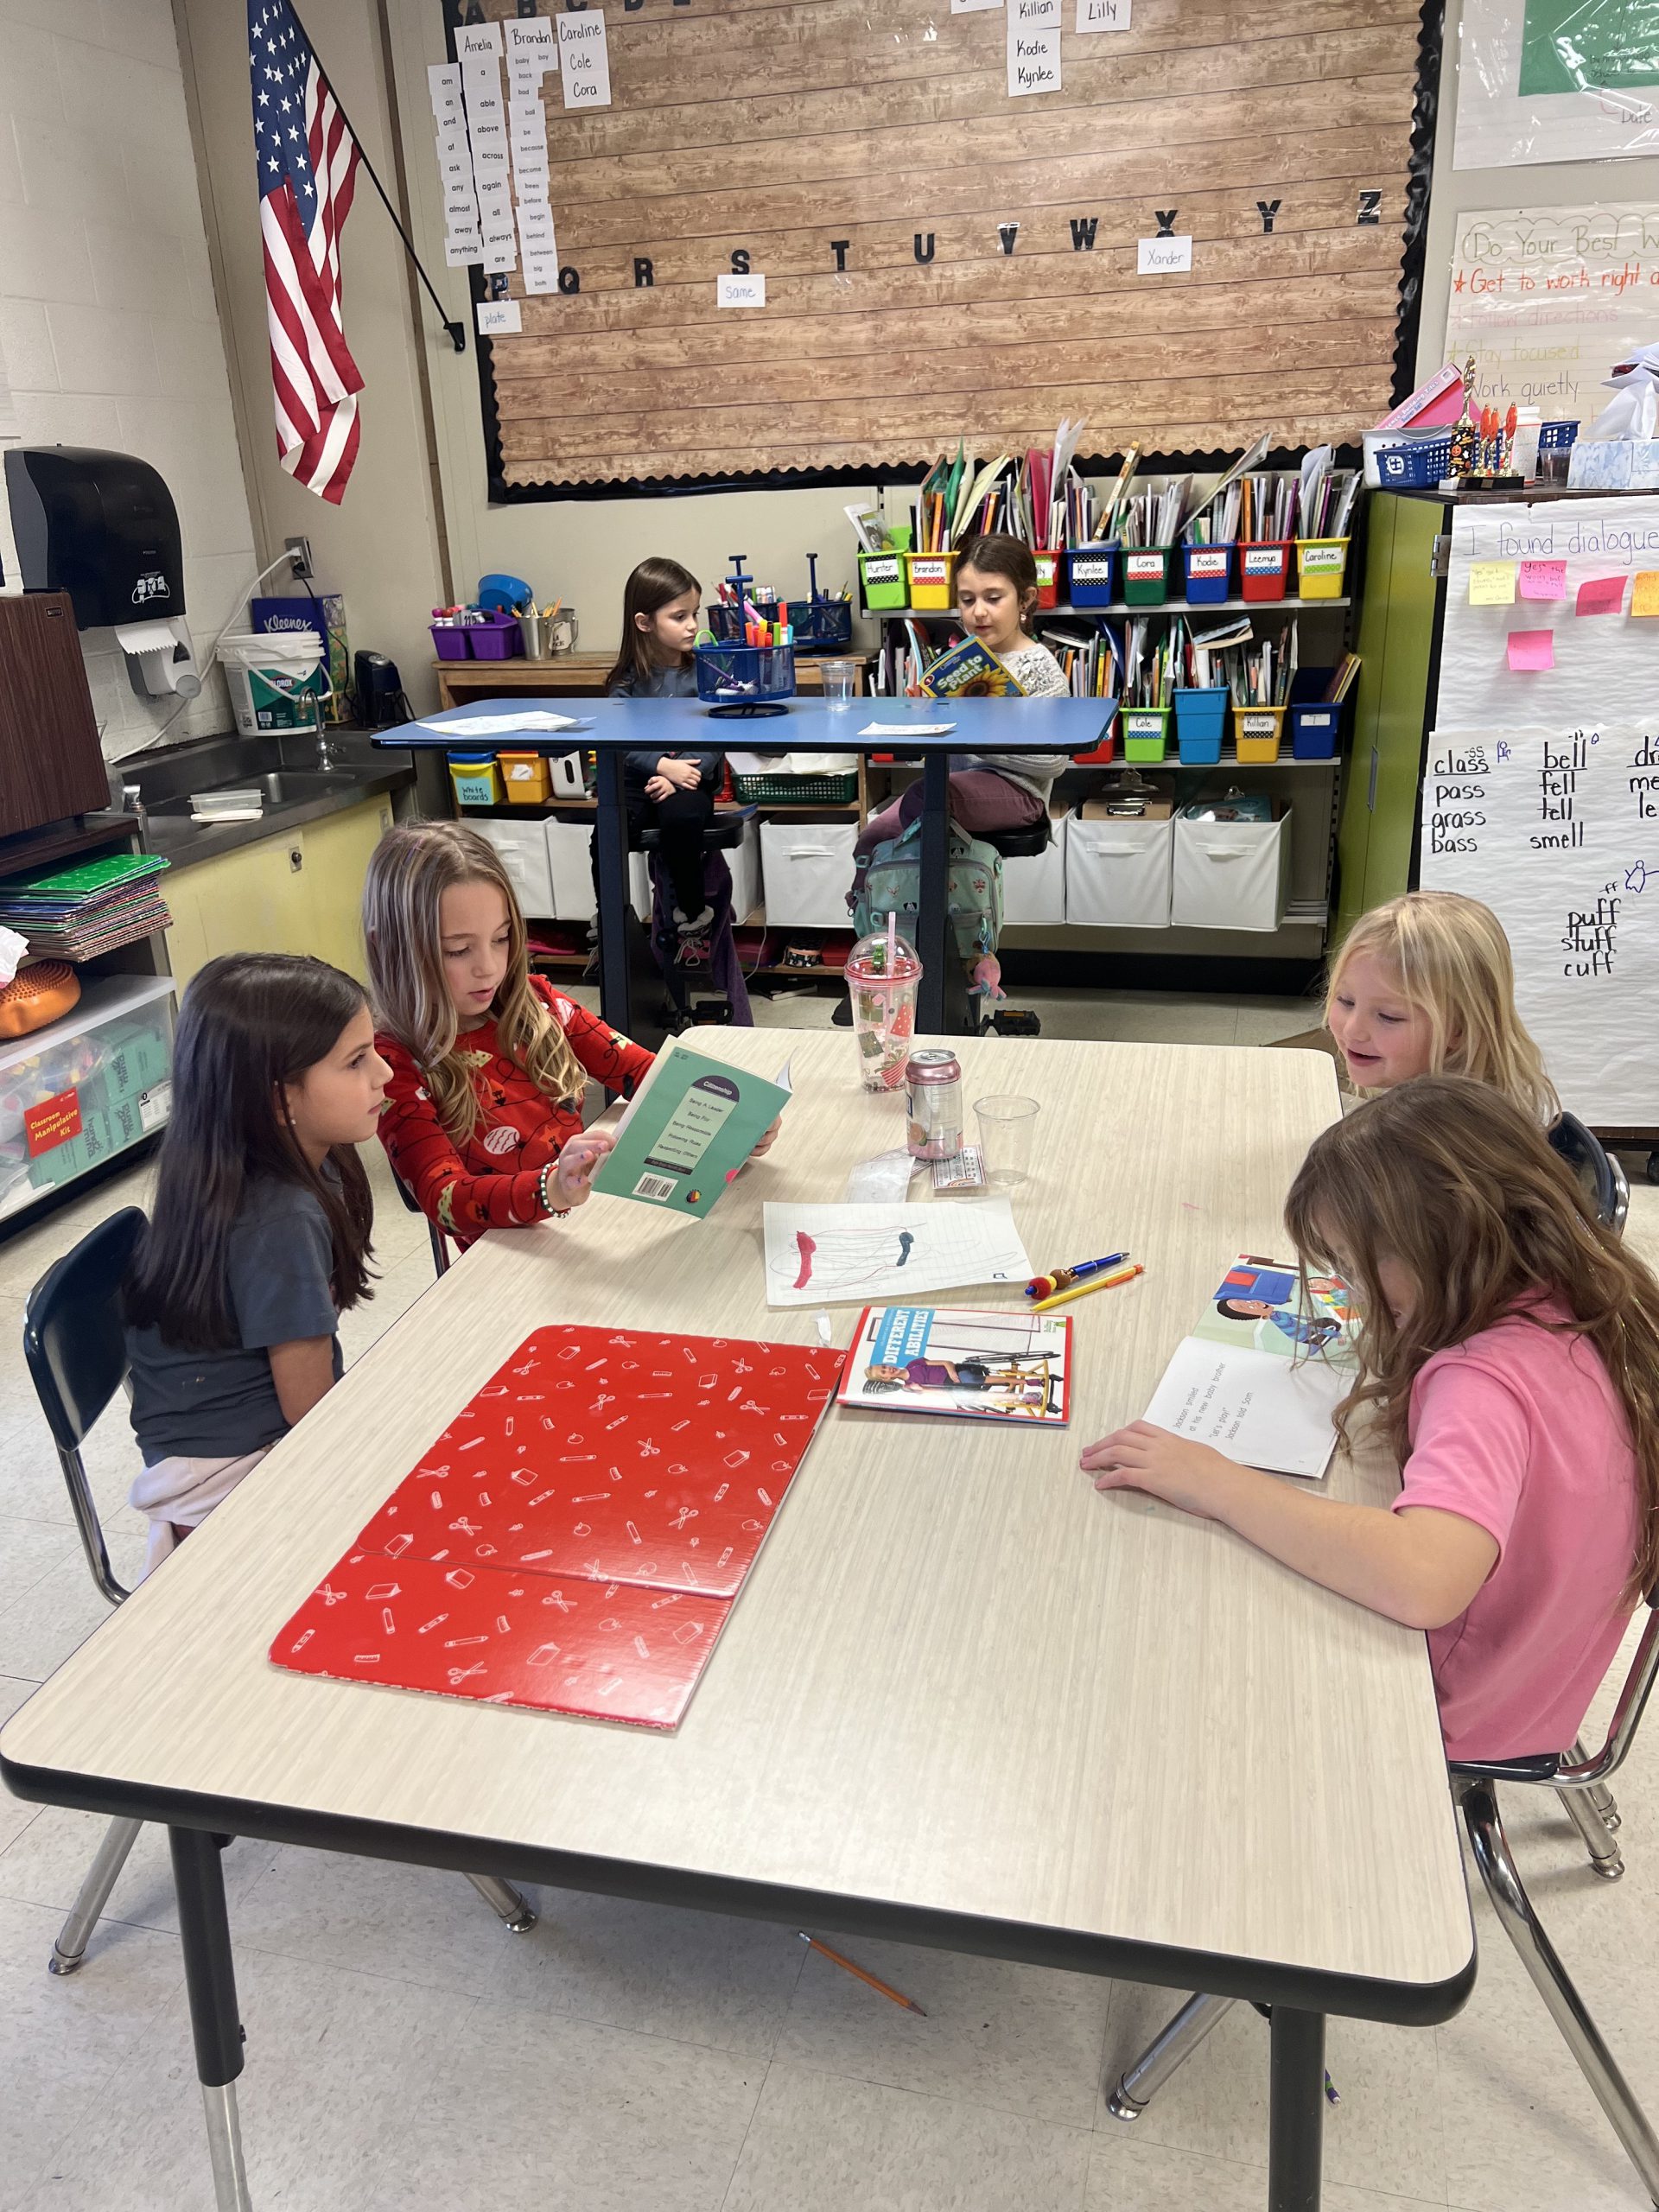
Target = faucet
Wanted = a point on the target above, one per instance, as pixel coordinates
(326, 755)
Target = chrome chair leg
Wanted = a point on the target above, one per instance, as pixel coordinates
(1513, 1909)
(1138, 2084)
(225, 2149)
(101, 1878)
(1597, 1792)
(502, 1899)
(1604, 1856)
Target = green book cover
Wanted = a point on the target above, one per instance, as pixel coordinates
(692, 1124)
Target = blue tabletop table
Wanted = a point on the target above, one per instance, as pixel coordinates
(613, 726)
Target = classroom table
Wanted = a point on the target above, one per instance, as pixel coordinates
(619, 726)
(964, 1699)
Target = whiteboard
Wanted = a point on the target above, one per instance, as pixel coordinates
(1605, 665)
(1558, 831)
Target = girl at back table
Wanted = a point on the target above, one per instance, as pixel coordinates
(1424, 985)
(671, 790)
(1510, 1345)
(258, 1238)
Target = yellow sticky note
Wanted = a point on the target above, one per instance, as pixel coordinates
(1645, 599)
(1491, 583)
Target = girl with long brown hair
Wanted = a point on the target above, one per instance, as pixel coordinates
(1508, 1345)
(489, 1062)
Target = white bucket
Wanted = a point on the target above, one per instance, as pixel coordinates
(273, 679)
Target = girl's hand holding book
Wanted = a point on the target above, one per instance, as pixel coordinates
(576, 1166)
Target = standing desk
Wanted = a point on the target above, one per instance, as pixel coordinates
(964, 1699)
(621, 726)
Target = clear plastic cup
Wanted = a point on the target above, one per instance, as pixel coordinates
(884, 1008)
(1008, 1133)
(840, 681)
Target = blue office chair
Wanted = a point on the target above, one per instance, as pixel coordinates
(75, 1344)
(1596, 1169)
(1580, 1782)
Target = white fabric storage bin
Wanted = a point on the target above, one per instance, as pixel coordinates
(1230, 875)
(744, 861)
(569, 844)
(808, 871)
(1033, 889)
(1117, 873)
(564, 775)
(522, 852)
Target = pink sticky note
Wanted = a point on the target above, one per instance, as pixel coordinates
(1532, 649)
(1543, 580)
(1601, 596)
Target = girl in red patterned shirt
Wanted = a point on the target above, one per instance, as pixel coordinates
(483, 1114)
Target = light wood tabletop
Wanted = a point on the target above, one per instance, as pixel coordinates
(960, 1684)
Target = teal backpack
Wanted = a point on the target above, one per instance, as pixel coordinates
(889, 881)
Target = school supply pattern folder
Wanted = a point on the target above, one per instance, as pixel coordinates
(574, 1539)
(1261, 1375)
(971, 670)
(688, 1130)
(951, 1359)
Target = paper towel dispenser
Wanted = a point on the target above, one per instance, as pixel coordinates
(102, 526)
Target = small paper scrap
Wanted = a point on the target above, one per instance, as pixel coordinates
(1532, 649)
(1491, 583)
(906, 729)
(1543, 580)
(1600, 595)
(1644, 597)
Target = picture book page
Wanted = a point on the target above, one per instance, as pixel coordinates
(1254, 1407)
(829, 1255)
(1256, 1308)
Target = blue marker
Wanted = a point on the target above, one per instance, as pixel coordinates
(1063, 1277)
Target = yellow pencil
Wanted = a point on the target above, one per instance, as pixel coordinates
(1082, 1289)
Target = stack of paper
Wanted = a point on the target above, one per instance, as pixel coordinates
(71, 914)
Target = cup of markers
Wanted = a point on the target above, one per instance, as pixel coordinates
(1062, 1285)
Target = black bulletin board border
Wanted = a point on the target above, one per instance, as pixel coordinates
(1409, 317)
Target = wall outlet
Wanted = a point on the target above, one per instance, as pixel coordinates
(299, 553)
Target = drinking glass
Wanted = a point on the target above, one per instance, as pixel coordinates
(1007, 1129)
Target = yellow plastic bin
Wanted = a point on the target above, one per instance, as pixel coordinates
(526, 777)
(932, 579)
(476, 779)
(1256, 733)
(1321, 564)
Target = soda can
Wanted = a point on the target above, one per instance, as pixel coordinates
(933, 1104)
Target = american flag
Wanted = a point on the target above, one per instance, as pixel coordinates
(307, 164)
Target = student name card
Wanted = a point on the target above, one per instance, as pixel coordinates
(972, 7)
(1162, 256)
(584, 59)
(1033, 46)
(474, 41)
(1103, 14)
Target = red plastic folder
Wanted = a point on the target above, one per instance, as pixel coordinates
(642, 1465)
(607, 1650)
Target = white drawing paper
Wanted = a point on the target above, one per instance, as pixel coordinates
(839, 1256)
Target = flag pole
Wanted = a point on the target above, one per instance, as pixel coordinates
(457, 331)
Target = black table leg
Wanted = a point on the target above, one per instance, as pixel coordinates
(612, 854)
(1296, 2111)
(932, 922)
(210, 1978)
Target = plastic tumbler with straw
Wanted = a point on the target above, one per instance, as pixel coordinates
(882, 973)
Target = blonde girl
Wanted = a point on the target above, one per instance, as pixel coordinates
(1425, 985)
(483, 1115)
(1510, 1344)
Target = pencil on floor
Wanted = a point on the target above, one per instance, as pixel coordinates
(859, 1973)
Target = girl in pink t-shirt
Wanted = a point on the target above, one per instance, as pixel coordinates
(1510, 1345)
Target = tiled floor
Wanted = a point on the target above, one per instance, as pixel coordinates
(405, 2051)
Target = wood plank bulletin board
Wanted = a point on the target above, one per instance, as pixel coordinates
(944, 259)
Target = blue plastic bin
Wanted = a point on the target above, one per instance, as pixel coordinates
(1315, 721)
(1091, 575)
(1200, 718)
(1419, 466)
(1209, 573)
(736, 679)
